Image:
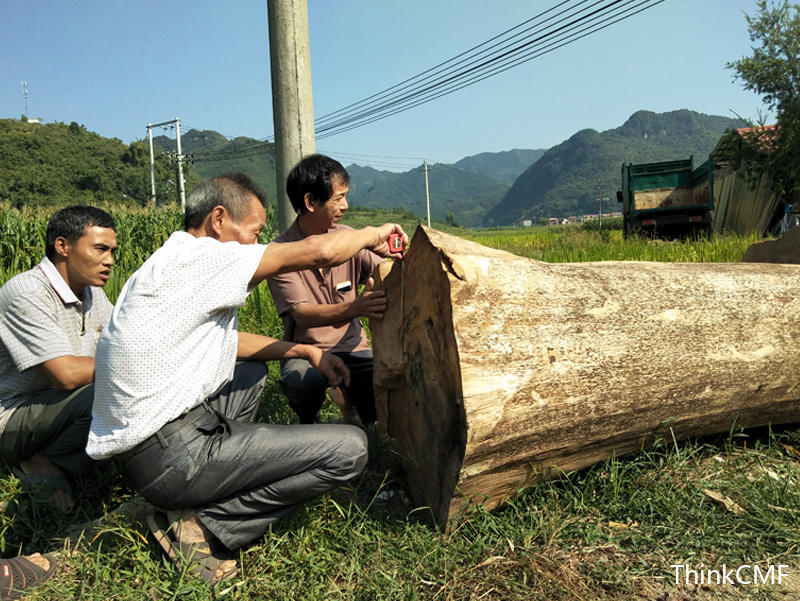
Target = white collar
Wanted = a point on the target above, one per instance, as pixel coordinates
(57, 282)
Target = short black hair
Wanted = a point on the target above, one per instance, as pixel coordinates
(313, 175)
(71, 223)
(230, 190)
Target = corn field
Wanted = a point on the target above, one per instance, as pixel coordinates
(140, 231)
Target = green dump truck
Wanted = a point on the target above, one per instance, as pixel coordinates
(668, 198)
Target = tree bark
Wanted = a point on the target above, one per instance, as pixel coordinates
(494, 372)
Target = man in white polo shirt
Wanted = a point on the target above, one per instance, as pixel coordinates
(50, 319)
(178, 385)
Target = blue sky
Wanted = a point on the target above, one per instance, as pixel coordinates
(116, 65)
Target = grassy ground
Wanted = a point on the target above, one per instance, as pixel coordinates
(608, 532)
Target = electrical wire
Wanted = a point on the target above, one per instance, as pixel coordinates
(476, 73)
(448, 75)
(392, 162)
(435, 70)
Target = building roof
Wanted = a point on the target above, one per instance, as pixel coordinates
(729, 145)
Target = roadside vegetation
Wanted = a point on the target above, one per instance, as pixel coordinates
(612, 531)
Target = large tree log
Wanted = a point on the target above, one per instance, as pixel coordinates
(785, 249)
(493, 372)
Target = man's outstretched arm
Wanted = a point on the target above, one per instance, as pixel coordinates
(324, 250)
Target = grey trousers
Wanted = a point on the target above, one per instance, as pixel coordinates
(241, 477)
(52, 423)
(305, 387)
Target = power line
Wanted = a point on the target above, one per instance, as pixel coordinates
(446, 76)
(393, 162)
(432, 71)
(498, 63)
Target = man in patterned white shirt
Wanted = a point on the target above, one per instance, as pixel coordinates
(50, 319)
(178, 385)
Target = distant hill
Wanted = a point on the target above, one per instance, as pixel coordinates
(465, 191)
(467, 188)
(505, 166)
(211, 153)
(468, 196)
(567, 178)
(56, 164)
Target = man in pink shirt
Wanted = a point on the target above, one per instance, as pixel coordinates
(322, 306)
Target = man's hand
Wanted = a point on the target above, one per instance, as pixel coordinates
(371, 303)
(382, 248)
(330, 366)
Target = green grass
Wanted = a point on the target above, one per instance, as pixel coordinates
(607, 532)
(572, 244)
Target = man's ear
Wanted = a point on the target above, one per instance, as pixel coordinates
(216, 219)
(308, 202)
(62, 246)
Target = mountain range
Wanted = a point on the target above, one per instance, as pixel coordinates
(56, 163)
(502, 188)
(570, 177)
(466, 189)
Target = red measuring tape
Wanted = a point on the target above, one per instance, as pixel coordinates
(396, 243)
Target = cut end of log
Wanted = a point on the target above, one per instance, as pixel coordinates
(420, 408)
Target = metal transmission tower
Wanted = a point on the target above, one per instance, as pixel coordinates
(180, 158)
(25, 94)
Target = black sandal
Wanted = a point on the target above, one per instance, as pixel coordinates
(19, 574)
(197, 558)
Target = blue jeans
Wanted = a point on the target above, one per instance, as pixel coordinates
(241, 477)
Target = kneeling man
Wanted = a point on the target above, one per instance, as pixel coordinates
(321, 306)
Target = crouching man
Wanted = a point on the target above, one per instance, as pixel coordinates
(178, 385)
(50, 319)
(322, 306)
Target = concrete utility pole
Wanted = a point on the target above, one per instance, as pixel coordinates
(292, 106)
(600, 199)
(427, 196)
(152, 166)
(181, 191)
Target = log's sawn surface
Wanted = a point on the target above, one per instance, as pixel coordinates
(493, 371)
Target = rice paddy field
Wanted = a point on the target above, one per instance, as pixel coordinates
(660, 525)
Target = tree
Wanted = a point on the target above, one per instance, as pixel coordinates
(773, 72)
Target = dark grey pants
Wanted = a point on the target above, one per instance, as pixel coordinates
(305, 387)
(240, 477)
(52, 423)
